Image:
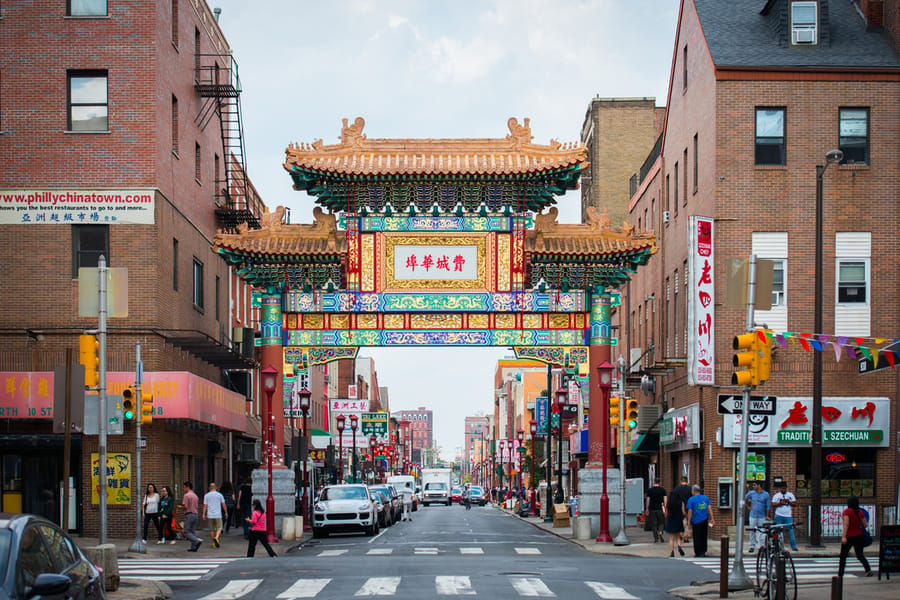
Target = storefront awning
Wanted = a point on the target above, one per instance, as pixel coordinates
(648, 443)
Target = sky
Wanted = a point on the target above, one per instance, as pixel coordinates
(427, 69)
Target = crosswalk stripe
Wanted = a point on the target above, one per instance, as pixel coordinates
(380, 551)
(531, 586)
(167, 578)
(607, 591)
(528, 551)
(333, 552)
(426, 551)
(379, 586)
(304, 588)
(448, 585)
(234, 589)
(471, 551)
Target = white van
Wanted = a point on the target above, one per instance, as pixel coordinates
(399, 482)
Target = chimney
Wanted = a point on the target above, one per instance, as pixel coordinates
(217, 12)
(873, 13)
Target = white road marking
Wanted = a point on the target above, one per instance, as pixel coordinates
(332, 552)
(380, 551)
(471, 551)
(608, 591)
(426, 551)
(445, 585)
(304, 588)
(531, 586)
(234, 589)
(528, 551)
(379, 586)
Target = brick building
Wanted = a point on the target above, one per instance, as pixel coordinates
(120, 135)
(758, 95)
(421, 432)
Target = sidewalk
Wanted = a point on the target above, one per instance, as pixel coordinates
(641, 544)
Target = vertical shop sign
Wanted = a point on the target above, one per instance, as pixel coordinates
(701, 302)
(118, 478)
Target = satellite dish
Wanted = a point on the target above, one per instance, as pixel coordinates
(648, 384)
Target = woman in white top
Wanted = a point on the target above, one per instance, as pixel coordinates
(150, 510)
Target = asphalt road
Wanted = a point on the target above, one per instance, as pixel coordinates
(444, 551)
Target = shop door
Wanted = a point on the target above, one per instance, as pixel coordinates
(41, 493)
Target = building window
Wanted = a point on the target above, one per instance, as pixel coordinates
(852, 281)
(668, 192)
(87, 8)
(196, 54)
(88, 104)
(197, 165)
(675, 203)
(89, 242)
(198, 283)
(685, 163)
(696, 160)
(854, 135)
(770, 136)
(217, 175)
(217, 297)
(174, 125)
(175, 23)
(684, 70)
(174, 264)
(804, 21)
(779, 296)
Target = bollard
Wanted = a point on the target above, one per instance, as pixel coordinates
(780, 586)
(837, 588)
(723, 566)
(287, 529)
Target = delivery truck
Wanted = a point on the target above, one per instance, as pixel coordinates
(436, 486)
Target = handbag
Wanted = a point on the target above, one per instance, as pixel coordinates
(867, 537)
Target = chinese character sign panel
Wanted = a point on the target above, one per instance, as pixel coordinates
(422, 263)
(118, 478)
(701, 302)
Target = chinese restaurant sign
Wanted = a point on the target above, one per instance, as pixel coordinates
(77, 207)
(118, 478)
(374, 423)
(845, 421)
(422, 263)
(701, 302)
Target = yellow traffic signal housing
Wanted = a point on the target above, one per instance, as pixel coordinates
(146, 408)
(746, 360)
(89, 356)
(129, 410)
(615, 407)
(631, 414)
(764, 368)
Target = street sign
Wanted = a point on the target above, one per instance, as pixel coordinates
(867, 365)
(759, 405)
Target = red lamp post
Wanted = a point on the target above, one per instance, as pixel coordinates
(605, 371)
(520, 435)
(372, 442)
(305, 398)
(354, 424)
(509, 447)
(340, 420)
(269, 381)
(502, 445)
(532, 428)
(562, 398)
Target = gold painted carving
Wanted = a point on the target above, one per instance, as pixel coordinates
(393, 321)
(435, 321)
(313, 322)
(367, 321)
(340, 322)
(559, 321)
(478, 321)
(531, 321)
(505, 321)
(503, 250)
(367, 266)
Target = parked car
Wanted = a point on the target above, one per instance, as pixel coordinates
(382, 507)
(38, 559)
(456, 495)
(345, 507)
(476, 495)
(393, 498)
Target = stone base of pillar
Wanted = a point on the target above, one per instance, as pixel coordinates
(282, 492)
(590, 488)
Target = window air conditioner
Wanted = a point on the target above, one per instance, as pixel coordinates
(665, 216)
(249, 452)
(806, 35)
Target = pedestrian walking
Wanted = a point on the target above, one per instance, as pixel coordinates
(759, 503)
(783, 500)
(700, 518)
(213, 511)
(674, 512)
(407, 494)
(257, 522)
(150, 511)
(245, 503)
(853, 535)
(190, 503)
(167, 515)
(227, 491)
(656, 497)
(683, 491)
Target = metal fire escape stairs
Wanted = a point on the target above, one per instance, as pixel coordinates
(217, 81)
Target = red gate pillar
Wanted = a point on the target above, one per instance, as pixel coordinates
(598, 419)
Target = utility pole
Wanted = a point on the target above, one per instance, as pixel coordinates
(621, 539)
(138, 544)
(101, 397)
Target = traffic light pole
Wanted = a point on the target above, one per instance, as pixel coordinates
(621, 539)
(138, 544)
(101, 397)
(738, 579)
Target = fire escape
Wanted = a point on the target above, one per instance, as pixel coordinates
(218, 83)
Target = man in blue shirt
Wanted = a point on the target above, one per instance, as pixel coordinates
(700, 518)
(760, 505)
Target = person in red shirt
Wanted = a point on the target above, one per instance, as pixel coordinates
(854, 523)
(258, 530)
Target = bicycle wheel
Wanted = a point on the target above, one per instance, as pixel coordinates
(762, 563)
(790, 577)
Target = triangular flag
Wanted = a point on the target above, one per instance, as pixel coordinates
(851, 353)
(859, 341)
(865, 352)
(837, 351)
(890, 358)
(781, 340)
(804, 343)
(816, 345)
(842, 340)
(875, 355)
(879, 341)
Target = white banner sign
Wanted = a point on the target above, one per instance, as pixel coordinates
(77, 207)
(701, 302)
(422, 263)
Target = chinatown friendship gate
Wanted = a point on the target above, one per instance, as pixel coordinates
(437, 242)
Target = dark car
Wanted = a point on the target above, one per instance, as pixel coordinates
(382, 507)
(396, 509)
(37, 559)
(456, 495)
(476, 495)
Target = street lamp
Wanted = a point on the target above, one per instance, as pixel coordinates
(520, 435)
(269, 381)
(502, 445)
(372, 442)
(340, 420)
(354, 425)
(305, 398)
(509, 447)
(562, 397)
(605, 371)
(815, 505)
(532, 427)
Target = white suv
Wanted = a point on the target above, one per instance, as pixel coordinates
(344, 508)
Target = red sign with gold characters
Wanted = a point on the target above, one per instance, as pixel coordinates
(701, 302)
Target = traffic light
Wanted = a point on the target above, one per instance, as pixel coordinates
(631, 414)
(746, 360)
(146, 408)
(615, 407)
(89, 356)
(129, 410)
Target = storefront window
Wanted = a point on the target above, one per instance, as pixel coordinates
(12, 484)
(845, 472)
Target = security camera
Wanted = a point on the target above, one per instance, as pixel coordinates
(834, 156)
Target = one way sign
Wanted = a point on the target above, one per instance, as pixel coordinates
(759, 405)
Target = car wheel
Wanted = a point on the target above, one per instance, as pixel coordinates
(318, 532)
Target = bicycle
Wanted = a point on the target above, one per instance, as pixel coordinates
(767, 563)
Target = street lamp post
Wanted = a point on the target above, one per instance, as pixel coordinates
(305, 398)
(269, 380)
(502, 445)
(815, 505)
(509, 447)
(341, 421)
(372, 442)
(354, 424)
(548, 517)
(532, 501)
(605, 371)
(520, 435)
(562, 396)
